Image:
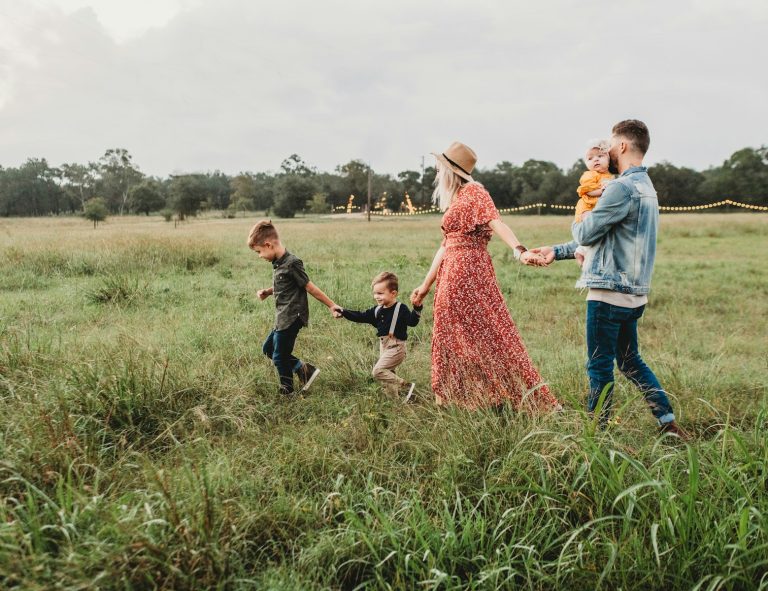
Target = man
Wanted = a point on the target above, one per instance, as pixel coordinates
(622, 229)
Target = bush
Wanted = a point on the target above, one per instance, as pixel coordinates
(95, 210)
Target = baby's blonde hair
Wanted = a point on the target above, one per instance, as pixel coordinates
(601, 146)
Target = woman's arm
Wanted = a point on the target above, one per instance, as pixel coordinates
(418, 295)
(504, 232)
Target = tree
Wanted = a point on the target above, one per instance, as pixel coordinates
(743, 177)
(410, 181)
(30, 189)
(186, 193)
(503, 182)
(79, 181)
(319, 203)
(292, 195)
(117, 175)
(264, 187)
(219, 190)
(296, 166)
(95, 210)
(355, 180)
(428, 184)
(146, 197)
(676, 186)
(243, 190)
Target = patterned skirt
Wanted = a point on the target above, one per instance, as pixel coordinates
(478, 357)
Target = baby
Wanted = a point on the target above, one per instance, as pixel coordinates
(591, 185)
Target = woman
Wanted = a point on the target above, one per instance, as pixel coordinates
(478, 358)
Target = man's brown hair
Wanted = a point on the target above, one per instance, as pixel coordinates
(636, 132)
(262, 232)
(386, 277)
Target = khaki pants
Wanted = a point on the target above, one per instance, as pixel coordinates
(391, 354)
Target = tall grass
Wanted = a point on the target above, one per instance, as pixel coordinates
(143, 445)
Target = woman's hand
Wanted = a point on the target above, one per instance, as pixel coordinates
(418, 294)
(534, 259)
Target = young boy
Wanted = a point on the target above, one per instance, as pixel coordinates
(391, 319)
(591, 185)
(290, 286)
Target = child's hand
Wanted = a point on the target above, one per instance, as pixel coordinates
(336, 311)
(418, 295)
(585, 214)
(263, 294)
(579, 257)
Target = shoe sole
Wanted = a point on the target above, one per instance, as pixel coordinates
(409, 396)
(310, 380)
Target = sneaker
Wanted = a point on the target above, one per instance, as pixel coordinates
(672, 428)
(307, 374)
(411, 392)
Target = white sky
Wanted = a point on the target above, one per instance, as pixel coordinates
(191, 85)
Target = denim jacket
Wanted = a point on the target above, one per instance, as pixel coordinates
(622, 228)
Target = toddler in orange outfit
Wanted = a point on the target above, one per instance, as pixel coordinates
(591, 185)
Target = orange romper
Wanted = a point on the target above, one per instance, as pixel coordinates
(589, 181)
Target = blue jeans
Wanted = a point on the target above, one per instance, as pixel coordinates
(612, 335)
(279, 348)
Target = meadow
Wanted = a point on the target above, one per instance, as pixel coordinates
(143, 444)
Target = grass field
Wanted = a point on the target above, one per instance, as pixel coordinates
(142, 443)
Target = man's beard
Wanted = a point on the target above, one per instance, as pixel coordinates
(613, 165)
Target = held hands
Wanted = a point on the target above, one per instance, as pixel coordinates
(547, 254)
(336, 311)
(263, 294)
(579, 258)
(418, 295)
(533, 259)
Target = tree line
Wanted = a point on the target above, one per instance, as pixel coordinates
(114, 184)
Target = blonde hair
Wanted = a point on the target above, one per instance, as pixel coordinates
(602, 146)
(386, 277)
(447, 184)
(262, 232)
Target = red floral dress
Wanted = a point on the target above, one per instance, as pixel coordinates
(478, 358)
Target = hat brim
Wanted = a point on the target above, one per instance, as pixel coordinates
(444, 161)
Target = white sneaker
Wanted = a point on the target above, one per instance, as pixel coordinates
(308, 375)
(411, 392)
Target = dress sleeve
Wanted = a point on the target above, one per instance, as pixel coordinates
(471, 209)
(483, 208)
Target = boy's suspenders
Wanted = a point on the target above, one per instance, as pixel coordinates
(394, 317)
(394, 320)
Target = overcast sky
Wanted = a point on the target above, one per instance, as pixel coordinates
(196, 85)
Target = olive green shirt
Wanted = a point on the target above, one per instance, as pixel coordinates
(289, 285)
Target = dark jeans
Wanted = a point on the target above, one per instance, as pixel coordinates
(612, 335)
(279, 348)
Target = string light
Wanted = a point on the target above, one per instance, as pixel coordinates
(573, 207)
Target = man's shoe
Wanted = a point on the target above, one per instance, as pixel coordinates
(411, 393)
(672, 428)
(307, 374)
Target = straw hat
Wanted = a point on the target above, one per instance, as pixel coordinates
(460, 158)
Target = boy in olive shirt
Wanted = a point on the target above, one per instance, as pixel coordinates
(290, 286)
